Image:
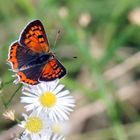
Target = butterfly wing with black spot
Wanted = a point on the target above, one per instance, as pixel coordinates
(52, 70)
(20, 56)
(34, 37)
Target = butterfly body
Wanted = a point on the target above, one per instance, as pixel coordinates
(31, 57)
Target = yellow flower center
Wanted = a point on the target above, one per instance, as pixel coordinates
(34, 125)
(48, 99)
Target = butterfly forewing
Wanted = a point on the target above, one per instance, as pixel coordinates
(20, 56)
(12, 57)
(34, 37)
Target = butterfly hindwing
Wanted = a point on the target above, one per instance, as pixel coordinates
(20, 56)
(52, 70)
(30, 75)
(34, 37)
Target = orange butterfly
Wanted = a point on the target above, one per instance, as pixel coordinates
(31, 58)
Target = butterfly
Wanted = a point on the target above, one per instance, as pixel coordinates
(30, 57)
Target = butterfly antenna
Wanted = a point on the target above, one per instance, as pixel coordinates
(56, 38)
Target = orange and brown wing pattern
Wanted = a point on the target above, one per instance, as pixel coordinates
(12, 55)
(34, 37)
(30, 75)
(20, 56)
(52, 70)
(23, 78)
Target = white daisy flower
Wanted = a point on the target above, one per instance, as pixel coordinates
(49, 97)
(36, 125)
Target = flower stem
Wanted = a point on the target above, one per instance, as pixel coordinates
(6, 104)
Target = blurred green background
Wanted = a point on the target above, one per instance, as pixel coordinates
(104, 35)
